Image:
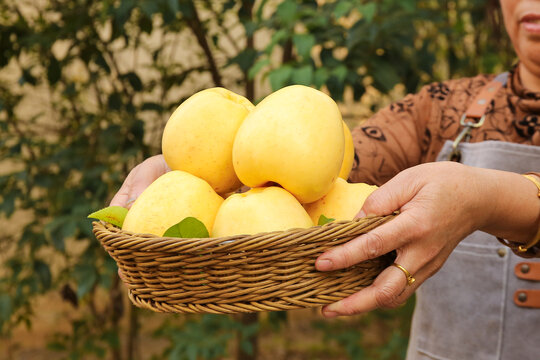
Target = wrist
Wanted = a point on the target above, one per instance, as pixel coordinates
(515, 211)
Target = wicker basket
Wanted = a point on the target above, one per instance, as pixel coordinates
(247, 273)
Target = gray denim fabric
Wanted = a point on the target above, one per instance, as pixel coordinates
(466, 310)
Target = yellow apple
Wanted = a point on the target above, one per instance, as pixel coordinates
(199, 136)
(260, 210)
(348, 157)
(343, 202)
(294, 138)
(170, 199)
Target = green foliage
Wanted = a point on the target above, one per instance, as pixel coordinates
(190, 227)
(84, 342)
(352, 338)
(87, 85)
(204, 337)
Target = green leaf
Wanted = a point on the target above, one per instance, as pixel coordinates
(280, 77)
(112, 214)
(85, 275)
(385, 75)
(245, 59)
(287, 11)
(340, 73)
(149, 8)
(367, 11)
(324, 220)
(250, 27)
(342, 8)
(257, 67)
(190, 227)
(7, 206)
(56, 346)
(303, 44)
(111, 337)
(5, 307)
(41, 269)
(409, 5)
(69, 228)
(321, 76)
(173, 6)
(277, 38)
(303, 75)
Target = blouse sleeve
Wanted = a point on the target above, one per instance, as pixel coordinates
(392, 140)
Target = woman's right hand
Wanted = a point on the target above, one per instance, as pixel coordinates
(139, 179)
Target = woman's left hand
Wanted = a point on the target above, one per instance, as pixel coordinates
(440, 204)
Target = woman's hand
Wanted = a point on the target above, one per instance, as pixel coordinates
(139, 179)
(440, 204)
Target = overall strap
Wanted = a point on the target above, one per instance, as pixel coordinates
(476, 113)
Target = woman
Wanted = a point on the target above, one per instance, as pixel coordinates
(450, 212)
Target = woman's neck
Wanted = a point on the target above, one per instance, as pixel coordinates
(529, 79)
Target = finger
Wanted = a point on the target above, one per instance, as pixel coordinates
(121, 275)
(383, 293)
(391, 288)
(123, 195)
(139, 179)
(419, 278)
(391, 196)
(379, 241)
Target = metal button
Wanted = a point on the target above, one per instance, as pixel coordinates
(522, 296)
(501, 252)
(525, 268)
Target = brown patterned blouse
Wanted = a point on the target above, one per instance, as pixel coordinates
(412, 131)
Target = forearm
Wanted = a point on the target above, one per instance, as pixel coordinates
(515, 206)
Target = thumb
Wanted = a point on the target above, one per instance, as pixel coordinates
(391, 196)
(139, 179)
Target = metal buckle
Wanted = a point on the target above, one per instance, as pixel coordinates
(471, 123)
(455, 155)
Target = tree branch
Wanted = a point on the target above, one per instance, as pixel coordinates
(198, 30)
(246, 13)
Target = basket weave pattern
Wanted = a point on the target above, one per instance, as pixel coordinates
(246, 273)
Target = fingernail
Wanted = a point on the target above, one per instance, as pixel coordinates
(330, 314)
(324, 264)
(361, 214)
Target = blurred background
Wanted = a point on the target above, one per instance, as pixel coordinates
(86, 87)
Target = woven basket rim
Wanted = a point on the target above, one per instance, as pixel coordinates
(146, 242)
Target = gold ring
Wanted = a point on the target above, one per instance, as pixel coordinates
(410, 278)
